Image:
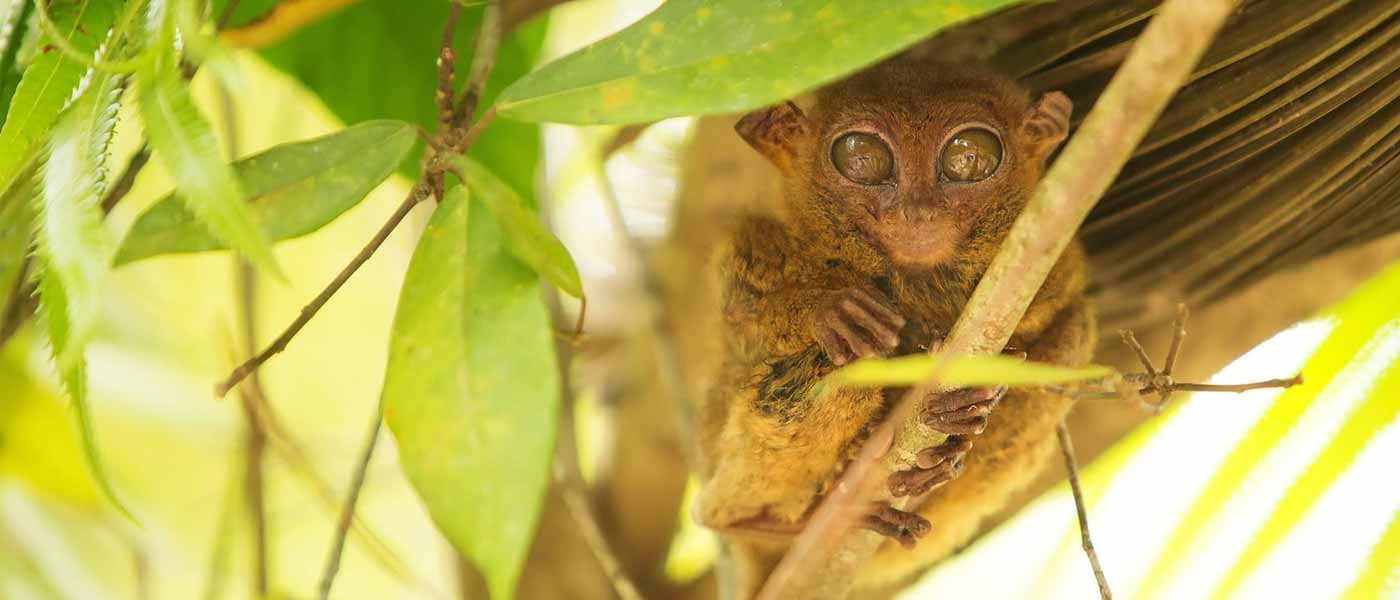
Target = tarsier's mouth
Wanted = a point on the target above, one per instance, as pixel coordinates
(764, 526)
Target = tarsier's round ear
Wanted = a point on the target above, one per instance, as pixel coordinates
(777, 132)
(1047, 123)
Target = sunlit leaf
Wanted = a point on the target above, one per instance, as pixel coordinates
(961, 371)
(525, 236)
(707, 56)
(1359, 317)
(472, 388)
(48, 83)
(74, 249)
(1377, 575)
(186, 145)
(1378, 410)
(295, 188)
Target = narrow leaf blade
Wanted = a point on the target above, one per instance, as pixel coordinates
(74, 249)
(472, 388)
(525, 237)
(961, 371)
(186, 145)
(752, 54)
(295, 188)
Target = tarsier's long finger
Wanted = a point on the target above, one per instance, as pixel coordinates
(972, 426)
(952, 447)
(903, 527)
(884, 334)
(955, 400)
(880, 308)
(856, 340)
(835, 348)
(914, 482)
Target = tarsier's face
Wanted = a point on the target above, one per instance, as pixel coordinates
(920, 156)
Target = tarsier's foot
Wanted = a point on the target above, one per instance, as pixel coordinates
(932, 467)
(858, 324)
(963, 411)
(900, 526)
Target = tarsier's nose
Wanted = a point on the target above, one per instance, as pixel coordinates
(919, 210)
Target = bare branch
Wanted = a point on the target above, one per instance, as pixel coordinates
(347, 514)
(251, 365)
(823, 560)
(1067, 450)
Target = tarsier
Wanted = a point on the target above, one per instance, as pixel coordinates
(900, 184)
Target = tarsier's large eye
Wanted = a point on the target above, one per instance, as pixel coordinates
(972, 155)
(863, 158)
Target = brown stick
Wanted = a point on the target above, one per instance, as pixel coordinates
(310, 310)
(1067, 450)
(571, 486)
(347, 514)
(823, 560)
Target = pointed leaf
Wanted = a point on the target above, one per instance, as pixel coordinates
(525, 236)
(472, 388)
(960, 371)
(48, 83)
(710, 56)
(295, 188)
(186, 145)
(74, 249)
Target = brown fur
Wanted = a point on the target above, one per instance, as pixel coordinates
(769, 448)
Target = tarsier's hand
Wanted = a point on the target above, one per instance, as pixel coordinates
(858, 323)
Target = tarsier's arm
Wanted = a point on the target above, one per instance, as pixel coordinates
(778, 308)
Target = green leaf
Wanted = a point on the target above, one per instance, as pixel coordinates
(1376, 412)
(472, 388)
(295, 188)
(960, 371)
(1359, 317)
(526, 237)
(48, 83)
(386, 74)
(74, 249)
(16, 226)
(1377, 576)
(14, 25)
(186, 145)
(710, 56)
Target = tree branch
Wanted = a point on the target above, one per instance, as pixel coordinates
(347, 514)
(823, 560)
(1072, 471)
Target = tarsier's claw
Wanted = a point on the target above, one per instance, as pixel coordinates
(932, 467)
(900, 526)
(858, 324)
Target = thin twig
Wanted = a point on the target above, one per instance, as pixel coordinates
(1178, 335)
(430, 183)
(123, 184)
(347, 514)
(1067, 450)
(249, 366)
(571, 486)
(488, 40)
(1239, 387)
(447, 66)
(255, 441)
(1131, 340)
(823, 559)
